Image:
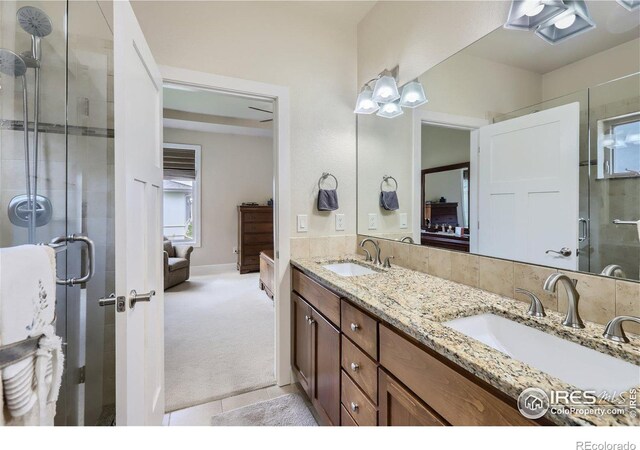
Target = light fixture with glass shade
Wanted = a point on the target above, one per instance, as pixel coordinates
(630, 4)
(390, 110)
(386, 89)
(413, 95)
(572, 22)
(365, 104)
(528, 14)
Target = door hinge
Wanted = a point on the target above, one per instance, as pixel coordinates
(478, 149)
(277, 254)
(478, 224)
(82, 374)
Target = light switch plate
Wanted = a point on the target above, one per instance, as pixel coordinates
(373, 221)
(403, 220)
(303, 223)
(339, 222)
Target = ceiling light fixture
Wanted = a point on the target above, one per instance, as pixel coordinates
(572, 22)
(630, 4)
(390, 110)
(365, 103)
(528, 14)
(413, 95)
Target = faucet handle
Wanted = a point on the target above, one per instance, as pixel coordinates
(536, 309)
(387, 262)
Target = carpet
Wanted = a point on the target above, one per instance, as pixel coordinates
(219, 339)
(287, 411)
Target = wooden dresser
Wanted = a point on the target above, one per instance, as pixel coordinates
(441, 214)
(255, 234)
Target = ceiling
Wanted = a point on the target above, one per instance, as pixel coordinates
(614, 26)
(201, 101)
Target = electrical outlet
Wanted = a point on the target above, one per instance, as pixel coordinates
(339, 222)
(373, 221)
(403, 220)
(303, 223)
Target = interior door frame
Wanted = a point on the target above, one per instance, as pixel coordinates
(446, 120)
(282, 196)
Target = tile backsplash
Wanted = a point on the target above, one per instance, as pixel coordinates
(601, 298)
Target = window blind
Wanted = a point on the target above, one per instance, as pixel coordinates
(179, 163)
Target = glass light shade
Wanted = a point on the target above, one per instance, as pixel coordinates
(528, 14)
(385, 90)
(630, 4)
(413, 95)
(572, 22)
(365, 104)
(390, 110)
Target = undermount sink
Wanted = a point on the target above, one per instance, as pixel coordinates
(582, 367)
(349, 269)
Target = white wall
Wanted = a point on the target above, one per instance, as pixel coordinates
(588, 72)
(444, 146)
(234, 169)
(418, 35)
(308, 47)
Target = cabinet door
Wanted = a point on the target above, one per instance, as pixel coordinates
(326, 369)
(301, 317)
(399, 407)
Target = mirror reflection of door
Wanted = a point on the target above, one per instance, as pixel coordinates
(445, 187)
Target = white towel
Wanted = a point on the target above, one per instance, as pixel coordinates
(27, 309)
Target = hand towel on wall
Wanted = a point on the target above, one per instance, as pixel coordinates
(389, 200)
(327, 200)
(27, 309)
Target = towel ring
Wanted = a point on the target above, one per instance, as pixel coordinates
(387, 178)
(325, 175)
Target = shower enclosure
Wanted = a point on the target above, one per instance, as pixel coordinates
(56, 177)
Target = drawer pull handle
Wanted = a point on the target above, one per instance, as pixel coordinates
(355, 327)
(311, 321)
(307, 318)
(355, 366)
(354, 407)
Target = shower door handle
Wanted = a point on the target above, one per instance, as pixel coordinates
(91, 249)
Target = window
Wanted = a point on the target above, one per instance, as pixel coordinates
(619, 147)
(181, 193)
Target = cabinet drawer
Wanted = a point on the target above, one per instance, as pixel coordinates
(364, 413)
(257, 216)
(345, 418)
(361, 368)
(258, 238)
(360, 328)
(250, 260)
(258, 227)
(325, 301)
(458, 399)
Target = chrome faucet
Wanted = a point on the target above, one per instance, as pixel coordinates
(614, 332)
(378, 260)
(536, 309)
(613, 270)
(572, 318)
(408, 239)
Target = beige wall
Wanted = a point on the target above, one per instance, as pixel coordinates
(234, 169)
(444, 146)
(308, 47)
(419, 35)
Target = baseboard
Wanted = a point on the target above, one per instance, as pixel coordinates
(212, 268)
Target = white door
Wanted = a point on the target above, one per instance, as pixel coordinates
(138, 224)
(528, 187)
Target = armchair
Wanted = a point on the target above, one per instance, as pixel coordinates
(177, 262)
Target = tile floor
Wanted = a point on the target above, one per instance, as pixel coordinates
(200, 415)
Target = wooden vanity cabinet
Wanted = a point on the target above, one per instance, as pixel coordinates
(399, 407)
(316, 347)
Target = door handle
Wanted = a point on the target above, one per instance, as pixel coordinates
(585, 229)
(113, 300)
(625, 222)
(564, 251)
(134, 297)
(91, 269)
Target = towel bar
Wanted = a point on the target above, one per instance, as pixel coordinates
(325, 175)
(16, 352)
(386, 178)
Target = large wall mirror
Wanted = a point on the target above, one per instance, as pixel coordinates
(525, 151)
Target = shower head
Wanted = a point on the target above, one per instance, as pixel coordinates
(34, 21)
(11, 63)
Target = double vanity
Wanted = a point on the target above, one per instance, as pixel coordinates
(375, 345)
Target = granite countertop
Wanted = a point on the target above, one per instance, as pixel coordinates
(417, 303)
